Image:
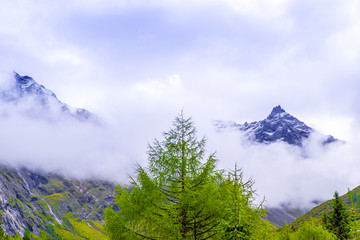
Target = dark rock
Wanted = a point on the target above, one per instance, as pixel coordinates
(278, 126)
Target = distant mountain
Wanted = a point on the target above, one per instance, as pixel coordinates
(36, 100)
(284, 214)
(48, 204)
(53, 206)
(278, 126)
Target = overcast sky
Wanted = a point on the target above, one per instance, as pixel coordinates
(137, 63)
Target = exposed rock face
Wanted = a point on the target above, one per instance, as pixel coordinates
(33, 200)
(37, 101)
(278, 126)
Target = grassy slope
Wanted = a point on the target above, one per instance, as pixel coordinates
(316, 212)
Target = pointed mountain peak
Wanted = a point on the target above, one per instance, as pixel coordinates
(276, 111)
(40, 101)
(23, 81)
(278, 126)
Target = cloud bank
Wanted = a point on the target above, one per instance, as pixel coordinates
(138, 63)
(282, 173)
(288, 174)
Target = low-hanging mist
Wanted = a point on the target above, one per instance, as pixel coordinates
(286, 174)
(111, 151)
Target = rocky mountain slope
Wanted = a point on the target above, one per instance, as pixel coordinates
(284, 214)
(278, 126)
(36, 101)
(51, 205)
(54, 207)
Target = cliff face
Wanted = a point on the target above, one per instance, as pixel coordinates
(43, 202)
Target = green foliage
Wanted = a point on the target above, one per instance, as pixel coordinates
(286, 233)
(353, 213)
(339, 219)
(317, 211)
(181, 195)
(3, 236)
(325, 220)
(74, 229)
(27, 235)
(311, 231)
(241, 216)
(81, 228)
(266, 231)
(176, 197)
(50, 229)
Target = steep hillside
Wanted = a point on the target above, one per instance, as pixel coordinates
(52, 206)
(284, 215)
(316, 212)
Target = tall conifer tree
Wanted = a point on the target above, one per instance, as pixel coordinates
(242, 218)
(339, 218)
(176, 197)
(325, 220)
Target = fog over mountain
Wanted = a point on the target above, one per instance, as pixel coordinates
(137, 64)
(111, 151)
(297, 174)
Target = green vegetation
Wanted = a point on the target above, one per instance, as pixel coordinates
(182, 196)
(339, 219)
(68, 200)
(27, 235)
(240, 216)
(2, 233)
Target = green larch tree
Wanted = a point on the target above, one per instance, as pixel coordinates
(242, 218)
(175, 197)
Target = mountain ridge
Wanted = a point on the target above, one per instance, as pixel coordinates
(278, 126)
(37, 98)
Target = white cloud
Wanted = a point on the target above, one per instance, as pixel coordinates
(231, 60)
(62, 55)
(159, 88)
(283, 175)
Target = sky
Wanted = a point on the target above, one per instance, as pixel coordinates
(138, 63)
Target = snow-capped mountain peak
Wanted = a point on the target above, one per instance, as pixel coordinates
(37, 101)
(27, 86)
(277, 112)
(23, 81)
(278, 126)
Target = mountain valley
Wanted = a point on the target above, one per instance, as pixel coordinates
(52, 206)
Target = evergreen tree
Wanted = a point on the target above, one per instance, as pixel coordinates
(242, 218)
(325, 220)
(339, 219)
(176, 197)
(354, 230)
